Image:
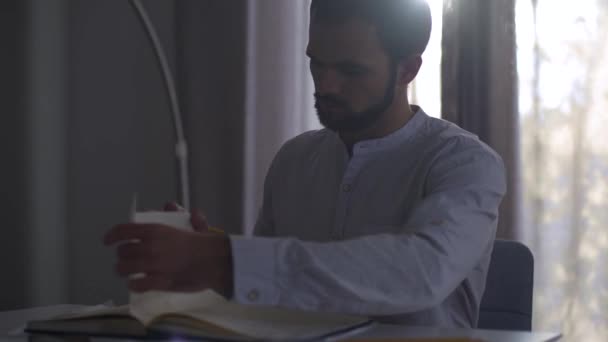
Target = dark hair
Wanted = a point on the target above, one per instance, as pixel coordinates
(404, 26)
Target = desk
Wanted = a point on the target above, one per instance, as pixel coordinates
(384, 331)
(11, 320)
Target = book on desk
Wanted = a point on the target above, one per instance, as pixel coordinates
(202, 315)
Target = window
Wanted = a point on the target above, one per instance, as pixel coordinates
(562, 54)
(426, 88)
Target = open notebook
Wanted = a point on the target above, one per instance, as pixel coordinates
(205, 314)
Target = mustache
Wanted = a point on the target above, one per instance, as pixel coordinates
(330, 100)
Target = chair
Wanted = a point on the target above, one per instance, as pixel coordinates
(507, 301)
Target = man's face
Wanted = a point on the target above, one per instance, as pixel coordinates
(353, 76)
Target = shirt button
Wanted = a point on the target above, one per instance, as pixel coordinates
(346, 187)
(253, 295)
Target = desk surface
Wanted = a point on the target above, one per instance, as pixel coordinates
(393, 332)
(10, 322)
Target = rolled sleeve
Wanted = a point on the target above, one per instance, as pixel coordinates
(254, 261)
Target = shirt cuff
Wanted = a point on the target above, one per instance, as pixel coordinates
(254, 270)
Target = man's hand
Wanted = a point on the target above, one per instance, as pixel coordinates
(172, 259)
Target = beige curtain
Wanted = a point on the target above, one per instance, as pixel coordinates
(210, 54)
(479, 85)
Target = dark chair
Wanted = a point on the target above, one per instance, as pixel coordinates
(507, 302)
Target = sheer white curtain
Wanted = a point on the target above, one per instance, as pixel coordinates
(279, 89)
(425, 91)
(563, 49)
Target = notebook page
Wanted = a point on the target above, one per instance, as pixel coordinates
(253, 321)
(156, 303)
(273, 323)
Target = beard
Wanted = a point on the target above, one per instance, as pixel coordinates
(349, 120)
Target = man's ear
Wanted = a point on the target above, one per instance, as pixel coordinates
(408, 69)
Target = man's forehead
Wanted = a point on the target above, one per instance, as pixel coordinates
(350, 39)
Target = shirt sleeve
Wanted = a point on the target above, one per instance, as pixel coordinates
(385, 274)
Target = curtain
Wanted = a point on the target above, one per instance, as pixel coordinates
(210, 47)
(529, 77)
(88, 124)
(12, 147)
(279, 89)
(120, 133)
(479, 86)
(46, 153)
(564, 101)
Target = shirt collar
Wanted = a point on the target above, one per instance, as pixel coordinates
(404, 134)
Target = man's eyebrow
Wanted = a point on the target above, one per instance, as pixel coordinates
(345, 63)
(351, 64)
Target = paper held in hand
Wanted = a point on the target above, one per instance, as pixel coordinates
(176, 219)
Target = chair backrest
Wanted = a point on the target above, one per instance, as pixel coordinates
(507, 301)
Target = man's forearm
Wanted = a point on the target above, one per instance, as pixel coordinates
(375, 275)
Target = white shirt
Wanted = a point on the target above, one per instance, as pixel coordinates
(401, 231)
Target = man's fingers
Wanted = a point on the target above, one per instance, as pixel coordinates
(129, 251)
(127, 268)
(198, 221)
(151, 281)
(133, 231)
(172, 206)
